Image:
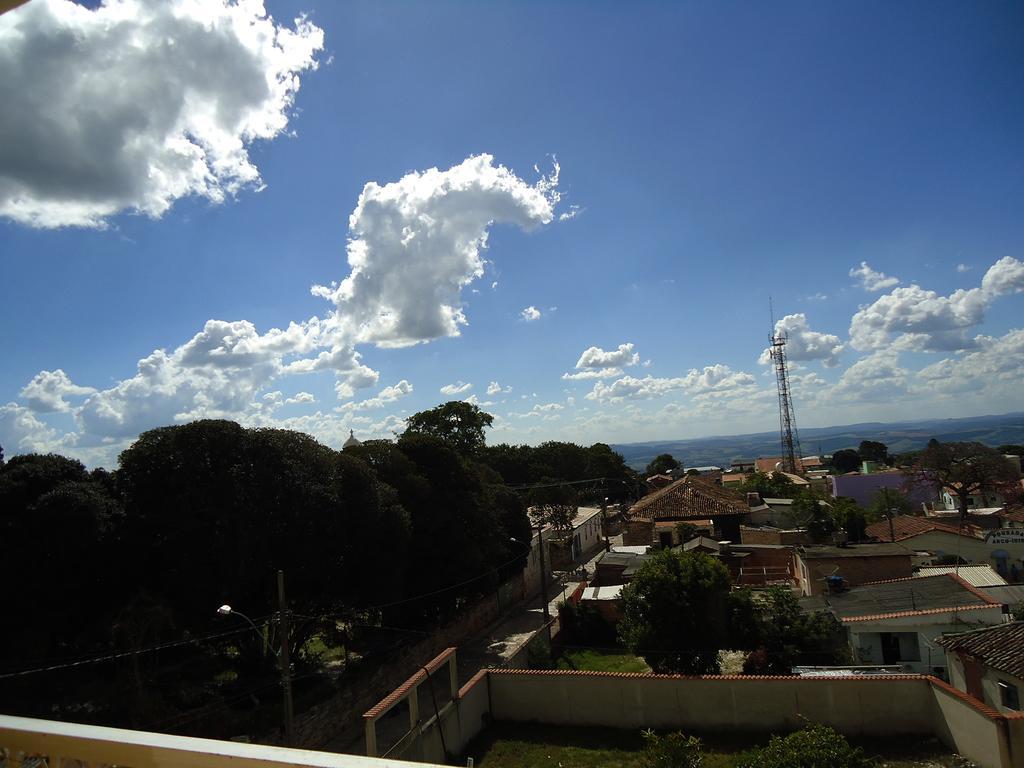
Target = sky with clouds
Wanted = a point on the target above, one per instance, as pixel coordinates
(327, 216)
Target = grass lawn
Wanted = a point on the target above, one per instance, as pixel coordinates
(517, 745)
(594, 660)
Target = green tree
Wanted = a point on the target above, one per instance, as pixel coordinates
(60, 528)
(851, 517)
(814, 746)
(768, 486)
(1009, 449)
(458, 423)
(871, 450)
(554, 504)
(845, 460)
(812, 512)
(888, 501)
(788, 635)
(963, 469)
(673, 750)
(676, 612)
(214, 510)
(662, 463)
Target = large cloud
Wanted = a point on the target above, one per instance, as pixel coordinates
(47, 391)
(217, 373)
(597, 363)
(137, 103)
(414, 245)
(417, 242)
(711, 380)
(923, 320)
(877, 377)
(805, 344)
(996, 363)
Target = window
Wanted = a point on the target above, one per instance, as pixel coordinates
(1008, 695)
(899, 646)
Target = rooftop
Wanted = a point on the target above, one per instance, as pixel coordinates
(690, 497)
(1000, 647)
(908, 526)
(903, 597)
(854, 550)
(975, 575)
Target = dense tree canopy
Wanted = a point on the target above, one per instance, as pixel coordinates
(845, 460)
(566, 462)
(871, 450)
(662, 463)
(458, 423)
(203, 514)
(676, 612)
(768, 486)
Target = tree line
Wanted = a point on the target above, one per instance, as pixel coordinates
(399, 533)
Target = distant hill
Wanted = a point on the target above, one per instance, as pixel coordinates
(899, 436)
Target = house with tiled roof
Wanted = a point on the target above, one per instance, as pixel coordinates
(945, 540)
(655, 518)
(899, 621)
(854, 564)
(988, 664)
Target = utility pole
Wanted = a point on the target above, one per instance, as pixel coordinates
(285, 666)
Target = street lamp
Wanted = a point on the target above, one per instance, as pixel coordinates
(227, 610)
(283, 664)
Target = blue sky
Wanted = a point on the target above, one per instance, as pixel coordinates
(860, 163)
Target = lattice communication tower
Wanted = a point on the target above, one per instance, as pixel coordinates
(788, 435)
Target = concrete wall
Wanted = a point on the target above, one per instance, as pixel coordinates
(859, 706)
(975, 731)
(970, 549)
(863, 706)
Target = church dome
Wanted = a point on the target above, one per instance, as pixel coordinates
(352, 440)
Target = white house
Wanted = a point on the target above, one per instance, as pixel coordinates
(988, 664)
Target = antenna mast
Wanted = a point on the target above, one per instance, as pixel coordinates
(788, 435)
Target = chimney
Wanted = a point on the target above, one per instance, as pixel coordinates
(753, 499)
(723, 547)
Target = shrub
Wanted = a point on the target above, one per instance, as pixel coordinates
(814, 746)
(673, 750)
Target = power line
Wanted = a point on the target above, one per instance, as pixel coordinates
(124, 654)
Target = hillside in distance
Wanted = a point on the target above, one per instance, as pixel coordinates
(899, 436)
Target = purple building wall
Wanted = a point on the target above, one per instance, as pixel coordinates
(862, 488)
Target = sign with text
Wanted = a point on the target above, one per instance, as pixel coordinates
(1005, 536)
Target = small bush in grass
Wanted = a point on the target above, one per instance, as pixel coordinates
(673, 750)
(814, 746)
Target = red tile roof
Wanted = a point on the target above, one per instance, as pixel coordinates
(908, 526)
(687, 498)
(1000, 647)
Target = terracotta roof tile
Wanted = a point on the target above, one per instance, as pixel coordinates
(907, 526)
(1000, 647)
(689, 497)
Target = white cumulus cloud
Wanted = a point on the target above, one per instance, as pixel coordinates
(414, 244)
(47, 390)
(597, 363)
(530, 314)
(924, 320)
(137, 103)
(456, 389)
(871, 280)
(804, 344)
(711, 380)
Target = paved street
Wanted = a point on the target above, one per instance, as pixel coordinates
(491, 648)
